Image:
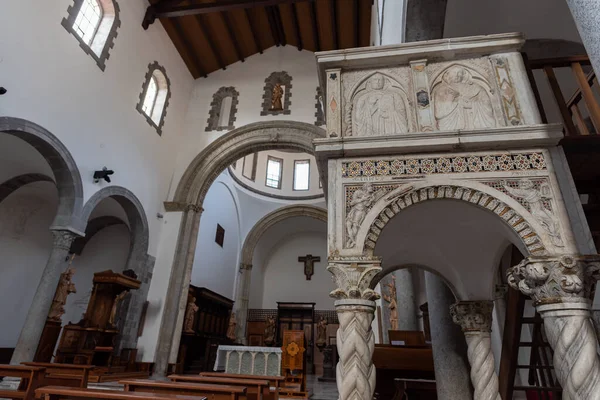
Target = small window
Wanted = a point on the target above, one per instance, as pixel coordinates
(301, 174)
(88, 20)
(274, 167)
(220, 236)
(154, 98)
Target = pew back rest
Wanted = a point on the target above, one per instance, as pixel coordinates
(74, 375)
(137, 384)
(274, 380)
(219, 380)
(31, 379)
(64, 392)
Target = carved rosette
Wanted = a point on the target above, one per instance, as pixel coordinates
(548, 280)
(475, 319)
(562, 288)
(353, 280)
(63, 239)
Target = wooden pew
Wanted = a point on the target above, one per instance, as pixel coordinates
(64, 392)
(212, 392)
(275, 381)
(73, 375)
(258, 389)
(31, 378)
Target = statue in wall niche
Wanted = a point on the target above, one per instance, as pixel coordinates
(393, 303)
(461, 102)
(276, 98)
(115, 307)
(379, 110)
(361, 200)
(231, 327)
(190, 316)
(535, 199)
(270, 331)
(63, 290)
(322, 332)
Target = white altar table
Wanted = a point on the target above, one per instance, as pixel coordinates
(249, 360)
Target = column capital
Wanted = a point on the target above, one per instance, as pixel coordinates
(556, 279)
(473, 316)
(63, 239)
(174, 206)
(353, 277)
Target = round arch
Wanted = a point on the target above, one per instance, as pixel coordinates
(433, 271)
(273, 218)
(221, 153)
(533, 238)
(64, 168)
(17, 182)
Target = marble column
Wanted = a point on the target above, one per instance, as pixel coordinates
(475, 319)
(176, 299)
(561, 288)
(31, 332)
(586, 14)
(405, 293)
(355, 307)
(242, 298)
(448, 342)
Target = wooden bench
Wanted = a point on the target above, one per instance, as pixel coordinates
(275, 381)
(64, 392)
(212, 392)
(258, 389)
(31, 379)
(57, 374)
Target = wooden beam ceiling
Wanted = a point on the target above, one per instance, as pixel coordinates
(212, 34)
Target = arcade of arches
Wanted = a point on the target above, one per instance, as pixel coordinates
(420, 216)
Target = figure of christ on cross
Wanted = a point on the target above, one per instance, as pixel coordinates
(309, 264)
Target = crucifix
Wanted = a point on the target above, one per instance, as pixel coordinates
(309, 264)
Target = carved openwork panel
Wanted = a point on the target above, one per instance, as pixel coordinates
(468, 94)
(515, 185)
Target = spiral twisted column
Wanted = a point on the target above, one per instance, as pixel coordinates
(562, 288)
(475, 319)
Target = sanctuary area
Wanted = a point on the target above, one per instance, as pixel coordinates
(299, 199)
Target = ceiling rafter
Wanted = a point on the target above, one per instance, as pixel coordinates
(213, 48)
(236, 45)
(333, 10)
(279, 24)
(296, 27)
(273, 26)
(356, 23)
(252, 31)
(315, 25)
(189, 48)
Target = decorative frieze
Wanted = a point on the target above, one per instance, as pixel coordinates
(508, 96)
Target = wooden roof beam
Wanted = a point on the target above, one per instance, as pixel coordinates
(279, 25)
(256, 41)
(213, 48)
(296, 27)
(273, 26)
(236, 45)
(356, 23)
(315, 26)
(189, 49)
(333, 9)
(172, 9)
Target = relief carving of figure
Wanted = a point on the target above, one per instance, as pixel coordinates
(190, 316)
(462, 103)
(379, 110)
(231, 328)
(276, 103)
(115, 306)
(535, 199)
(270, 331)
(361, 200)
(393, 303)
(64, 289)
(322, 332)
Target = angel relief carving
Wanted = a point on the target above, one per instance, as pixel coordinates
(378, 108)
(461, 102)
(360, 203)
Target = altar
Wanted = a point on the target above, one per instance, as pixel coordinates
(248, 360)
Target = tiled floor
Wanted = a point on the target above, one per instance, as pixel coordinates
(321, 390)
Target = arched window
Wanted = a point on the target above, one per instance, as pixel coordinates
(223, 109)
(155, 95)
(94, 23)
(277, 94)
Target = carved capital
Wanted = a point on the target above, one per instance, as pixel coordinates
(473, 316)
(556, 279)
(63, 239)
(246, 267)
(500, 291)
(354, 280)
(194, 208)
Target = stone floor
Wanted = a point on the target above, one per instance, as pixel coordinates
(321, 390)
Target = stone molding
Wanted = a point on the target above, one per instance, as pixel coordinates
(64, 167)
(556, 279)
(17, 182)
(245, 267)
(473, 316)
(285, 80)
(232, 146)
(215, 109)
(353, 281)
(151, 68)
(109, 43)
(274, 218)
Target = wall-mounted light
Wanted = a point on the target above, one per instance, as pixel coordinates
(3, 90)
(104, 174)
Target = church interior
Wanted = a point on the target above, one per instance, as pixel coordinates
(299, 199)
